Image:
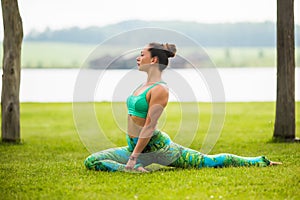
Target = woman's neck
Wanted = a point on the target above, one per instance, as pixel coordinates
(153, 76)
(153, 81)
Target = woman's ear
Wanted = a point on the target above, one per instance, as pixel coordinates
(154, 60)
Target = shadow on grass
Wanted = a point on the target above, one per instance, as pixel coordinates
(284, 140)
(10, 143)
(159, 168)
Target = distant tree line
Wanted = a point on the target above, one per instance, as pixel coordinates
(244, 34)
(111, 62)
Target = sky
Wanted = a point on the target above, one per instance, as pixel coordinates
(57, 14)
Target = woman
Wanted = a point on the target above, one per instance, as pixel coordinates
(148, 145)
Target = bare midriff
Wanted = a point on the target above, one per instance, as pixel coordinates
(135, 125)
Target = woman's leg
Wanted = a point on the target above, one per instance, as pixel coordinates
(113, 159)
(193, 159)
(231, 160)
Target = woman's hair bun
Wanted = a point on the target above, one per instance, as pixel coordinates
(170, 49)
(162, 52)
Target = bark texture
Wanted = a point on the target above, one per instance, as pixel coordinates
(13, 36)
(285, 103)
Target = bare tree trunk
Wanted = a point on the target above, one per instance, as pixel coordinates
(10, 105)
(285, 105)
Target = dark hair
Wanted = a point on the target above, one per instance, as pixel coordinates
(163, 52)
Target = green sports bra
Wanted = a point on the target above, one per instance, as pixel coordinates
(138, 105)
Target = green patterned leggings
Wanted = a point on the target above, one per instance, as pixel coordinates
(163, 151)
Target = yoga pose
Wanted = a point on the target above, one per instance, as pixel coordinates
(147, 144)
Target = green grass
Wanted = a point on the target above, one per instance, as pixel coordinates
(69, 55)
(243, 57)
(49, 162)
(54, 55)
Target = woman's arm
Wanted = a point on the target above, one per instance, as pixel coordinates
(157, 102)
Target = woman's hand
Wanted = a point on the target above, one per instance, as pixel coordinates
(131, 163)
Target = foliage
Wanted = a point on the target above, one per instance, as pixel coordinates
(242, 34)
(67, 55)
(49, 162)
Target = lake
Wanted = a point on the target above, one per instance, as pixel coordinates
(221, 84)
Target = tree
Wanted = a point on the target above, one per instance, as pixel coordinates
(285, 104)
(13, 36)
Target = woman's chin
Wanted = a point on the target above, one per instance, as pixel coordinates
(140, 68)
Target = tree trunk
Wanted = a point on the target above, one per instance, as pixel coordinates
(285, 104)
(10, 105)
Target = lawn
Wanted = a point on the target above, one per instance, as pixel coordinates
(49, 162)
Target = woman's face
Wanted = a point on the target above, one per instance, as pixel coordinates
(144, 59)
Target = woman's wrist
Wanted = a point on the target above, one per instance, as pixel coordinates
(133, 156)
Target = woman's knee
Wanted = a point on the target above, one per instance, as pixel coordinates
(89, 162)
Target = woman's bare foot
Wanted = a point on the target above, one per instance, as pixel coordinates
(275, 163)
(142, 169)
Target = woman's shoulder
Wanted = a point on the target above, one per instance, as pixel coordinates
(158, 95)
(160, 91)
(161, 88)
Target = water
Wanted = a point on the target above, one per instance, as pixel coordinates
(225, 84)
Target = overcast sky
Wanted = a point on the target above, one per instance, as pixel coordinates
(57, 14)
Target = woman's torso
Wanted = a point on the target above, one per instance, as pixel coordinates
(137, 120)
